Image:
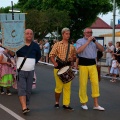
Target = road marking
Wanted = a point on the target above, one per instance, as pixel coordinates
(11, 112)
(117, 78)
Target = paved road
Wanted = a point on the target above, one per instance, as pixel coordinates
(42, 101)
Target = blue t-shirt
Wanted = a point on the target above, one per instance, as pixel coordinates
(34, 52)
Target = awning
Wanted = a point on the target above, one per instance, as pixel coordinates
(117, 34)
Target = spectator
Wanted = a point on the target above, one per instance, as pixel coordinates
(46, 50)
(114, 69)
(109, 51)
(117, 51)
(54, 41)
(41, 44)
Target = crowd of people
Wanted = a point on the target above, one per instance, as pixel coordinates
(80, 54)
(113, 60)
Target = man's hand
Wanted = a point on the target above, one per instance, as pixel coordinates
(91, 38)
(55, 64)
(70, 59)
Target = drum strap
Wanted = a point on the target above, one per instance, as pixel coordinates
(67, 51)
(62, 63)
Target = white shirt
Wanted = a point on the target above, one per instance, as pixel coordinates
(114, 63)
(29, 64)
(47, 47)
(109, 55)
(1, 50)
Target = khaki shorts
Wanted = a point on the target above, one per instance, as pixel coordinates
(108, 61)
(45, 54)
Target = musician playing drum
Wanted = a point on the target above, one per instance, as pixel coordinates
(87, 53)
(57, 57)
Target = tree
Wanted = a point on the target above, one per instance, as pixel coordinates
(46, 21)
(4, 10)
(81, 12)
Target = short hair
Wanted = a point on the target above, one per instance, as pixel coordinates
(86, 28)
(29, 30)
(118, 43)
(110, 42)
(65, 29)
(46, 40)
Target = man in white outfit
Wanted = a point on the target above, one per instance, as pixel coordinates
(109, 51)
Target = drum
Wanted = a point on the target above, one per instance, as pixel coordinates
(66, 74)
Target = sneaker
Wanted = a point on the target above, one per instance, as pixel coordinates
(117, 75)
(107, 75)
(28, 110)
(84, 107)
(56, 105)
(24, 111)
(8, 93)
(2, 92)
(67, 108)
(112, 80)
(99, 108)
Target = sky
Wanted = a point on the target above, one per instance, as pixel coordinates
(107, 18)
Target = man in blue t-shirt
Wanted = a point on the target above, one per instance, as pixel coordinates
(25, 75)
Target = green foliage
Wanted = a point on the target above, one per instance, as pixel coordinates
(47, 20)
(82, 12)
(75, 14)
(4, 10)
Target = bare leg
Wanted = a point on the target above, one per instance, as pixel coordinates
(47, 58)
(109, 69)
(96, 102)
(114, 77)
(57, 97)
(23, 102)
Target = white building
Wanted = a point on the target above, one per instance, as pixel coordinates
(103, 32)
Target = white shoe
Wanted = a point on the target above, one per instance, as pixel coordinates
(84, 107)
(99, 108)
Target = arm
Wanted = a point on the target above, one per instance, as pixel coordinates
(73, 57)
(1, 58)
(38, 55)
(5, 62)
(99, 46)
(52, 58)
(52, 55)
(81, 48)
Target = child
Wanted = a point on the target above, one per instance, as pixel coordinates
(114, 69)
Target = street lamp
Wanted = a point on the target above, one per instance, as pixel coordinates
(114, 14)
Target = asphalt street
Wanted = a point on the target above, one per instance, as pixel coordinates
(42, 101)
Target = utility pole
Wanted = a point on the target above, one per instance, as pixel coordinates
(114, 15)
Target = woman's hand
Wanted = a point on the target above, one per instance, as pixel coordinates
(9, 64)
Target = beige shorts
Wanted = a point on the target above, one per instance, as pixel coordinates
(45, 54)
